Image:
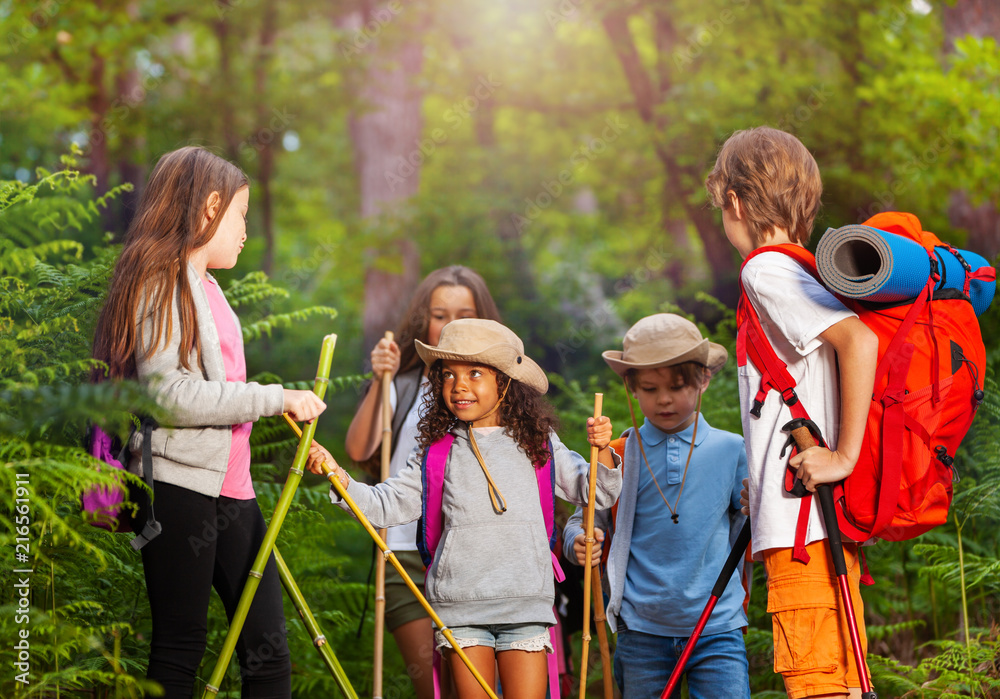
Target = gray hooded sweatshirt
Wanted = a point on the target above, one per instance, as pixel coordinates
(488, 568)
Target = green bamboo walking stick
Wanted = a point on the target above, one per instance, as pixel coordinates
(312, 628)
(387, 552)
(280, 510)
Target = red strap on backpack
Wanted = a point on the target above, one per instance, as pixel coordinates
(755, 346)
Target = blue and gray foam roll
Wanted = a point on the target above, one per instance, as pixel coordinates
(861, 262)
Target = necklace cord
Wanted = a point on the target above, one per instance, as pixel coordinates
(642, 450)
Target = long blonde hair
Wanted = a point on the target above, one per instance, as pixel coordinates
(152, 267)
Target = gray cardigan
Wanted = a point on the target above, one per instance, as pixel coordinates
(192, 449)
(489, 568)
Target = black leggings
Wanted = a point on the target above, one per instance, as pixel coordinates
(211, 542)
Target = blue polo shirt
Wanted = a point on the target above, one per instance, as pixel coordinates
(673, 567)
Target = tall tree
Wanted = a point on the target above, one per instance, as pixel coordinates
(386, 129)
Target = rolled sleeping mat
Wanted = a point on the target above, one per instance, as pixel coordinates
(861, 262)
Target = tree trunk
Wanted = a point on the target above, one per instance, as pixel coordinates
(676, 188)
(978, 18)
(98, 104)
(230, 136)
(263, 139)
(129, 88)
(386, 133)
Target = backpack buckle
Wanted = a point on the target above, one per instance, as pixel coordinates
(935, 268)
(757, 405)
(789, 397)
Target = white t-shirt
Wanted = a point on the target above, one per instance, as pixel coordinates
(404, 537)
(794, 310)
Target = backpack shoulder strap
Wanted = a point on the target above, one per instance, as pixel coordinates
(407, 389)
(546, 476)
(618, 446)
(752, 344)
(431, 523)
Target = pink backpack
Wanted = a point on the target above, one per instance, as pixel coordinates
(431, 526)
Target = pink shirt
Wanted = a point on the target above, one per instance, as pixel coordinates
(237, 484)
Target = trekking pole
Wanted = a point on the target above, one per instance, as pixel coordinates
(387, 553)
(312, 628)
(273, 527)
(589, 540)
(600, 619)
(739, 548)
(805, 439)
(380, 560)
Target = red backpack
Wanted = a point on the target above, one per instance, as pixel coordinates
(928, 385)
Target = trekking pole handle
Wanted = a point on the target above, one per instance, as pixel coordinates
(804, 439)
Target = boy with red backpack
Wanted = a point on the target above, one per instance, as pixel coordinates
(768, 187)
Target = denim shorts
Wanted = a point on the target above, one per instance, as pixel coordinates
(499, 637)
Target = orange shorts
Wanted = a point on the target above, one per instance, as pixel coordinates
(812, 643)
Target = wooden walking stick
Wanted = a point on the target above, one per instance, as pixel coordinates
(387, 553)
(591, 495)
(600, 619)
(380, 560)
(273, 527)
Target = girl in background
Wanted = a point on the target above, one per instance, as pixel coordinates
(167, 324)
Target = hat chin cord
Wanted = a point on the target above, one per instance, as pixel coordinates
(496, 497)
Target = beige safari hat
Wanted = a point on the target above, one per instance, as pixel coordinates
(485, 342)
(665, 339)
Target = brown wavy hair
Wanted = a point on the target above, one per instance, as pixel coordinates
(152, 268)
(524, 414)
(416, 322)
(776, 179)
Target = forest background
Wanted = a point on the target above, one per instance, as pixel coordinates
(557, 147)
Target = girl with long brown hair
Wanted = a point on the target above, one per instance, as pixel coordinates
(444, 295)
(167, 324)
(486, 447)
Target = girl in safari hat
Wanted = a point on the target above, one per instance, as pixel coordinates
(488, 431)
(677, 518)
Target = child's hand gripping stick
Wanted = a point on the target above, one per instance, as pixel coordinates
(806, 435)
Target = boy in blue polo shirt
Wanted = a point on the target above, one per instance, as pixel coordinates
(675, 521)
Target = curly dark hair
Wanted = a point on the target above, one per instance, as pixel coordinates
(524, 414)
